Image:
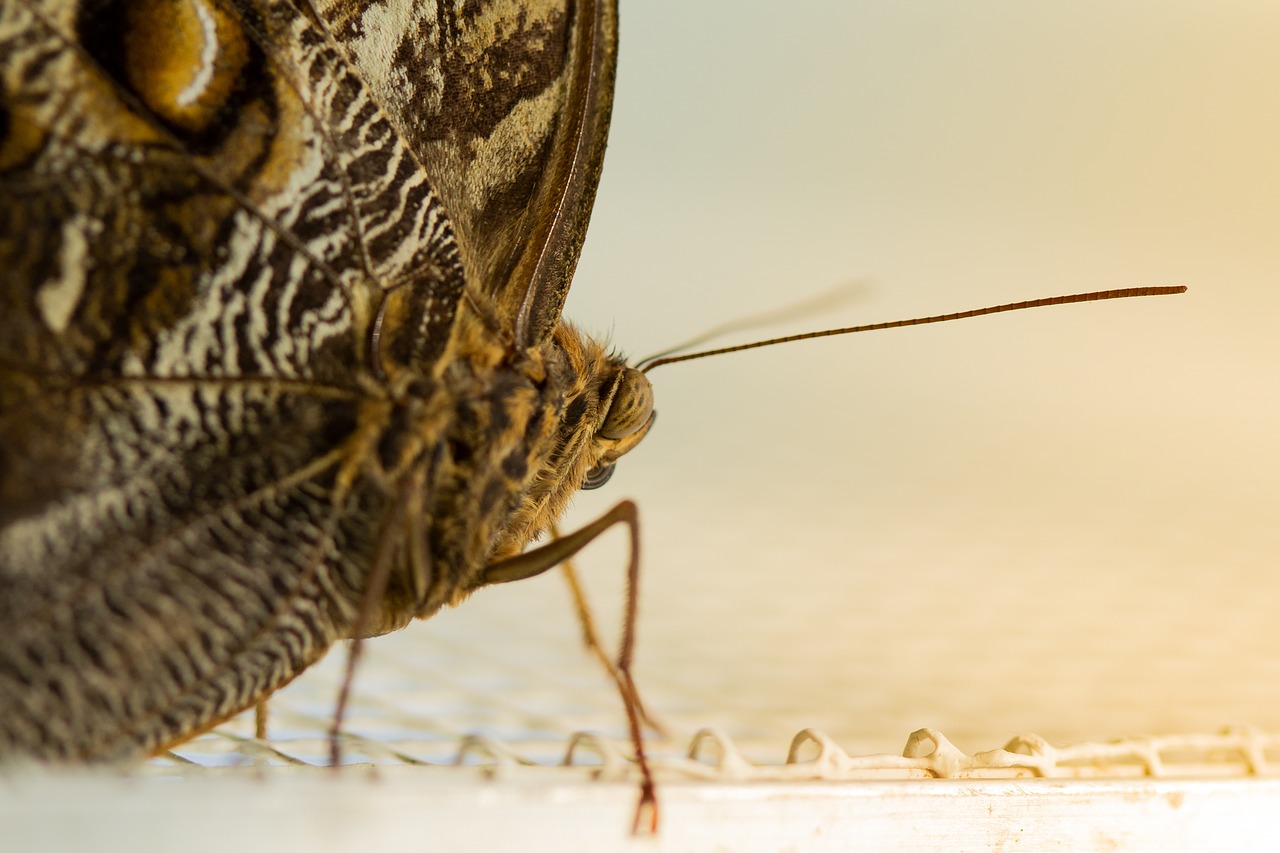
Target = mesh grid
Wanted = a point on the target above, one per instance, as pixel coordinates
(457, 696)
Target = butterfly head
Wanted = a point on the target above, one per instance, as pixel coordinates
(625, 417)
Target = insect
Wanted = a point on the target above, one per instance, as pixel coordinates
(281, 359)
(281, 355)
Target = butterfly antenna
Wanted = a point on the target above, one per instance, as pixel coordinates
(1096, 296)
(814, 305)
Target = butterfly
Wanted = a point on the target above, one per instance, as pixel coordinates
(282, 359)
(281, 352)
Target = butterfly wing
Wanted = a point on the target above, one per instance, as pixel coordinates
(199, 219)
(509, 114)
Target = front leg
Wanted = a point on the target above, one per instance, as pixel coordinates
(535, 562)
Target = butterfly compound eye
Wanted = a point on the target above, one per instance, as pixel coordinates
(631, 406)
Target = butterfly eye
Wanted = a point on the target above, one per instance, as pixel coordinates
(597, 477)
(631, 406)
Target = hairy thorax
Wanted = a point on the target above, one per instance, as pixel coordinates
(476, 462)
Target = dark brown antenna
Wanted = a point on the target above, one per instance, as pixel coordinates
(1097, 296)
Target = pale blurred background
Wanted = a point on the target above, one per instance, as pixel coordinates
(1060, 521)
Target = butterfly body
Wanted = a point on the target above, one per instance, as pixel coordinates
(280, 292)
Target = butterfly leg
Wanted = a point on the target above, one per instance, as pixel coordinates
(260, 720)
(407, 510)
(591, 637)
(555, 552)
